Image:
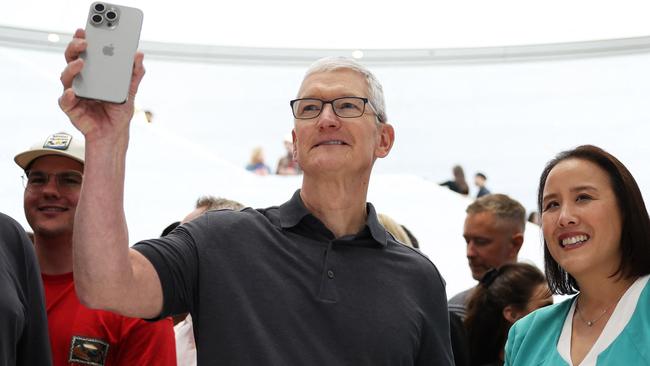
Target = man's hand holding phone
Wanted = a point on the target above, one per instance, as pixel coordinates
(104, 71)
(95, 119)
(105, 268)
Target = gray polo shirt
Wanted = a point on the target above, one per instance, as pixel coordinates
(275, 287)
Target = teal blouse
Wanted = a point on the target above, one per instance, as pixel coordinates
(533, 340)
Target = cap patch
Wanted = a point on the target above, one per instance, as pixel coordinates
(88, 351)
(58, 141)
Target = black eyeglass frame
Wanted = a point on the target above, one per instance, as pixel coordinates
(331, 102)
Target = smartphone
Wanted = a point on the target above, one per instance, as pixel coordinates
(113, 34)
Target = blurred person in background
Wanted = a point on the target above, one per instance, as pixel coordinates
(533, 218)
(395, 229)
(287, 165)
(502, 297)
(183, 327)
(597, 245)
(202, 205)
(257, 164)
(494, 233)
(459, 184)
(479, 181)
(209, 203)
(414, 241)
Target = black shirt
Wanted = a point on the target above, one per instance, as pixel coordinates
(275, 287)
(23, 323)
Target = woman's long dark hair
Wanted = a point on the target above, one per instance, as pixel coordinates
(459, 179)
(487, 329)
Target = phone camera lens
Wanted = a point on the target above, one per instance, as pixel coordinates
(99, 7)
(111, 15)
(97, 18)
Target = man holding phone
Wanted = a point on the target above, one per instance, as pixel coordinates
(315, 281)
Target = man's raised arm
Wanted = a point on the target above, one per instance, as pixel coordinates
(107, 273)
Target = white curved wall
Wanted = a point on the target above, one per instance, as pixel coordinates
(505, 119)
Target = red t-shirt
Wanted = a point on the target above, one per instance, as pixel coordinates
(82, 336)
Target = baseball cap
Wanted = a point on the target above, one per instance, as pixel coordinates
(60, 143)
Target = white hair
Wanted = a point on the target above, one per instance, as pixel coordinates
(375, 90)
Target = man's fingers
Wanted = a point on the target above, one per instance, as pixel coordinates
(70, 72)
(138, 74)
(68, 101)
(75, 47)
(76, 109)
(80, 33)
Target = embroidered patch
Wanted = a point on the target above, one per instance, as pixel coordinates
(88, 351)
(58, 141)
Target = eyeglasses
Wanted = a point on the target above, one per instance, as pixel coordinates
(345, 107)
(65, 181)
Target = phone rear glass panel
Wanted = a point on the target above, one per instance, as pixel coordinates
(112, 33)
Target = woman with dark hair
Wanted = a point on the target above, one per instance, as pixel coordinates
(502, 297)
(597, 244)
(459, 184)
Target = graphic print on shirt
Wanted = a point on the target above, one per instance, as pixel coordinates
(88, 351)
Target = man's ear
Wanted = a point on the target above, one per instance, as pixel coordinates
(517, 240)
(511, 314)
(386, 139)
(294, 150)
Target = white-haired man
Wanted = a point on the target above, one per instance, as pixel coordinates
(314, 281)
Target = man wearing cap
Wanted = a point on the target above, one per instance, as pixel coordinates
(315, 281)
(78, 335)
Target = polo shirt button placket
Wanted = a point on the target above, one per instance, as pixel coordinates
(327, 291)
(330, 274)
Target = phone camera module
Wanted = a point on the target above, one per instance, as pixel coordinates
(111, 15)
(97, 19)
(99, 7)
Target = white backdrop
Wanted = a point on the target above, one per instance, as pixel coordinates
(505, 119)
(368, 23)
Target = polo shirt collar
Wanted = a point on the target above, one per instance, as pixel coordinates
(294, 210)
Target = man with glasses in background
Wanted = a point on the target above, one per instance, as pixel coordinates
(78, 335)
(315, 281)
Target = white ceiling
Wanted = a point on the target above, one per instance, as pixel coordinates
(360, 24)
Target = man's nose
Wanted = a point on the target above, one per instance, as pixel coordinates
(51, 188)
(471, 249)
(327, 118)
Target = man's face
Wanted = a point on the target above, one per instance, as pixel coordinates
(331, 144)
(50, 208)
(490, 243)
